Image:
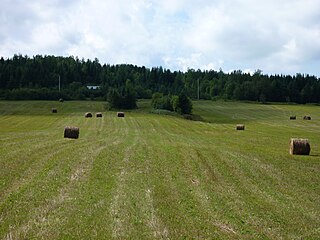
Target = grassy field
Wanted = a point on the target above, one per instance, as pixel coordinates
(149, 176)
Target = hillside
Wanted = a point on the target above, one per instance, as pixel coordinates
(151, 176)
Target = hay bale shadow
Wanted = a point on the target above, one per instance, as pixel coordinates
(193, 117)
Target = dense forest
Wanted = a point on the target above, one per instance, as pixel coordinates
(37, 77)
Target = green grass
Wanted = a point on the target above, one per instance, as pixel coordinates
(154, 176)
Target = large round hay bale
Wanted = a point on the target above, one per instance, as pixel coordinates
(54, 110)
(240, 127)
(299, 146)
(88, 115)
(306, 118)
(71, 132)
(98, 114)
(120, 114)
(293, 117)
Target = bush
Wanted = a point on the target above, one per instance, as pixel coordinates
(160, 101)
(127, 100)
(174, 102)
(156, 99)
(181, 104)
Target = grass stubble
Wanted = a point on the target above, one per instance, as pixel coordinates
(151, 176)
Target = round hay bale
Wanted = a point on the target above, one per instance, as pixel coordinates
(299, 146)
(120, 114)
(54, 110)
(306, 118)
(98, 114)
(293, 117)
(88, 115)
(71, 132)
(240, 127)
(61, 100)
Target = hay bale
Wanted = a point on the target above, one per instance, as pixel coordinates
(88, 115)
(120, 114)
(54, 110)
(71, 132)
(293, 117)
(98, 114)
(61, 100)
(306, 118)
(240, 127)
(299, 146)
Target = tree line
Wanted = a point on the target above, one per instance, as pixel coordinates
(37, 77)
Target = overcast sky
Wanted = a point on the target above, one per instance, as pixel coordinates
(276, 36)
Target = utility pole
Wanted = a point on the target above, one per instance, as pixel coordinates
(198, 89)
(59, 82)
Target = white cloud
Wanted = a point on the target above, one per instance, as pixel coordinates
(275, 36)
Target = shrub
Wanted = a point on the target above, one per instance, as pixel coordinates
(127, 100)
(183, 104)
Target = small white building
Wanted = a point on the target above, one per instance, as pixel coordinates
(91, 87)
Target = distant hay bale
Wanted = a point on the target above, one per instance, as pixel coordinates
(306, 118)
(299, 146)
(54, 110)
(71, 132)
(98, 114)
(240, 127)
(120, 114)
(61, 100)
(88, 115)
(293, 117)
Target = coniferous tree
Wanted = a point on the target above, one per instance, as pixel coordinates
(184, 104)
(23, 77)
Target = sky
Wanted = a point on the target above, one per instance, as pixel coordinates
(275, 36)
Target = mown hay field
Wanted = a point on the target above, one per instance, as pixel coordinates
(155, 176)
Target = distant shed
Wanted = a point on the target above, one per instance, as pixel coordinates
(93, 87)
